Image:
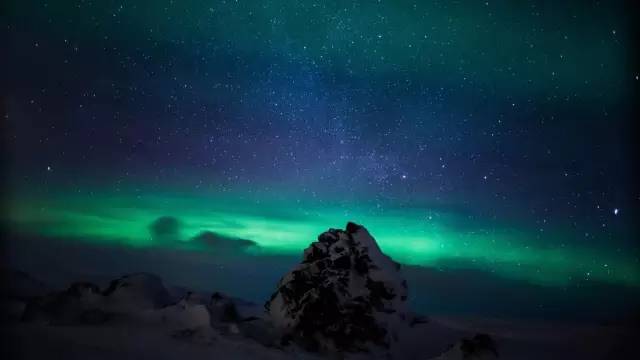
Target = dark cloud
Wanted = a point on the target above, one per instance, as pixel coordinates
(165, 229)
(167, 232)
(217, 242)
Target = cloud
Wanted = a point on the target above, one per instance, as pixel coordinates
(165, 229)
(220, 243)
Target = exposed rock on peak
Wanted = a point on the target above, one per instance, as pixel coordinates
(352, 228)
(346, 294)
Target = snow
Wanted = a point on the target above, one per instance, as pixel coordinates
(183, 315)
(131, 342)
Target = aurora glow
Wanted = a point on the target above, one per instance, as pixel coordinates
(413, 236)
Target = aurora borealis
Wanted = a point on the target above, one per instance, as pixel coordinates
(409, 235)
(486, 135)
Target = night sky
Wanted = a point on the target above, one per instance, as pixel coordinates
(495, 136)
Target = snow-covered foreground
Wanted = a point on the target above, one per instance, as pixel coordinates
(27, 341)
(127, 341)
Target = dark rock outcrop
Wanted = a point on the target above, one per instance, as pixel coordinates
(345, 295)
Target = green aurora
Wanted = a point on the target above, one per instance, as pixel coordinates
(416, 236)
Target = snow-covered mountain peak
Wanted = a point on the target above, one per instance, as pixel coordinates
(346, 294)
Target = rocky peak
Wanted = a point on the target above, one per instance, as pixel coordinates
(346, 294)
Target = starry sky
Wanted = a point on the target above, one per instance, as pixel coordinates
(485, 135)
